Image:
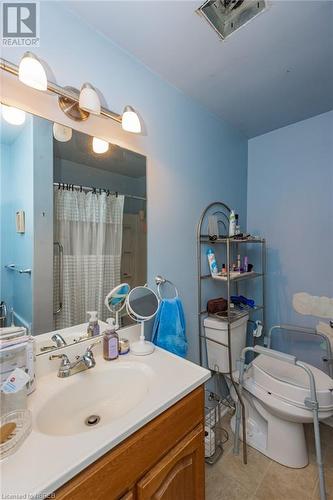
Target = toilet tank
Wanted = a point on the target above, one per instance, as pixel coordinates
(217, 329)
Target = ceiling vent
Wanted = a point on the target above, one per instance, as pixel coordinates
(227, 16)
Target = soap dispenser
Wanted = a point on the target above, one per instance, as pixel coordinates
(110, 341)
(93, 327)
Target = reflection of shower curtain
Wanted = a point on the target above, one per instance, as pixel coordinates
(89, 227)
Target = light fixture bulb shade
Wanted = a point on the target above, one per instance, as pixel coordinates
(130, 120)
(12, 115)
(99, 146)
(89, 100)
(31, 72)
(62, 133)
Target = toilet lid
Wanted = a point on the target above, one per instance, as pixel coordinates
(290, 382)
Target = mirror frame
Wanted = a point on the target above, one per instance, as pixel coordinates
(136, 316)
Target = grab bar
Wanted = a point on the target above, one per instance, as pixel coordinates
(13, 267)
(311, 403)
(60, 275)
(21, 320)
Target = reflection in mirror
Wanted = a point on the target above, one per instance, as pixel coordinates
(142, 304)
(73, 225)
(116, 299)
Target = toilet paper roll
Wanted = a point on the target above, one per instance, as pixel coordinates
(209, 442)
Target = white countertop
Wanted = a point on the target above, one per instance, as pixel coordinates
(45, 462)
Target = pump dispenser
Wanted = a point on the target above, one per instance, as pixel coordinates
(110, 341)
(93, 327)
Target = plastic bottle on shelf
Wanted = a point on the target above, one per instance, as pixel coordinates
(212, 262)
(232, 223)
(237, 226)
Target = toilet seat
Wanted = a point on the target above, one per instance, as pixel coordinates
(288, 383)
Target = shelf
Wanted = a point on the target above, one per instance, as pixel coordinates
(205, 239)
(233, 276)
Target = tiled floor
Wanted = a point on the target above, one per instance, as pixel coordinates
(263, 479)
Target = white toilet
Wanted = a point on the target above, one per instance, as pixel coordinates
(273, 395)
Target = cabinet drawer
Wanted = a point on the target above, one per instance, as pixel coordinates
(120, 469)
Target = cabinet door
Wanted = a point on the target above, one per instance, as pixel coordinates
(128, 496)
(180, 474)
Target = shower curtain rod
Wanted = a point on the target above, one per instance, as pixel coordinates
(66, 185)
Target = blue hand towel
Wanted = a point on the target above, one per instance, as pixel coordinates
(169, 327)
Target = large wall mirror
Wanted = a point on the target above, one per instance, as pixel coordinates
(73, 224)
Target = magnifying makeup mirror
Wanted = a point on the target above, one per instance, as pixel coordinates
(142, 304)
(115, 300)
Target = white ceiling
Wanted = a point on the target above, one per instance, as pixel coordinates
(276, 70)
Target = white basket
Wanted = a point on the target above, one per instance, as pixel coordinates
(23, 421)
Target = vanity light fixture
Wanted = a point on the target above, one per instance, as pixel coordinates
(12, 115)
(89, 100)
(62, 133)
(31, 72)
(99, 146)
(130, 120)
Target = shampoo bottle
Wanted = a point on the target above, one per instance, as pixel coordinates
(237, 226)
(110, 341)
(212, 262)
(93, 327)
(232, 223)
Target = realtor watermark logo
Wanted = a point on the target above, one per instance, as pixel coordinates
(20, 24)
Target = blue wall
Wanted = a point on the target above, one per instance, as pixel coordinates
(17, 194)
(193, 156)
(290, 202)
(42, 277)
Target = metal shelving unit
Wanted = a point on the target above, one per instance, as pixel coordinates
(230, 282)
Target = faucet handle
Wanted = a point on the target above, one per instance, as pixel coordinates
(63, 357)
(91, 346)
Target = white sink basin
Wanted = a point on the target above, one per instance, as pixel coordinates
(126, 393)
(109, 392)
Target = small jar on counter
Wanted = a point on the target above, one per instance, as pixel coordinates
(124, 346)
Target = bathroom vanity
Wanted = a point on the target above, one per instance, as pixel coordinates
(147, 443)
(164, 459)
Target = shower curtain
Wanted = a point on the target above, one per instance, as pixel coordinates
(89, 227)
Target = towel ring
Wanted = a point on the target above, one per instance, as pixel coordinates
(159, 280)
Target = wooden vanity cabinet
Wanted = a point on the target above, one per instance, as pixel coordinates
(164, 460)
(179, 475)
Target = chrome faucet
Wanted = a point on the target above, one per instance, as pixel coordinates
(58, 340)
(84, 362)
